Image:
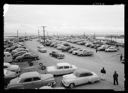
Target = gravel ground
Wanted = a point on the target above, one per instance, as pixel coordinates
(110, 61)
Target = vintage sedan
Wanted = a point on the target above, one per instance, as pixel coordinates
(75, 52)
(39, 47)
(103, 47)
(42, 50)
(80, 76)
(72, 49)
(84, 52)
(61, 68)
(10, 67)
(111, 49)
(27, 56)
(56, 54)
(9, 75)
(19, 54)
(31, 80)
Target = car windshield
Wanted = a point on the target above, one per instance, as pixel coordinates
(76, 74)
(59, 67)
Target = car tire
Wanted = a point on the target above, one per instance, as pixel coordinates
(43, 67)
(51, 84)
(72, 85)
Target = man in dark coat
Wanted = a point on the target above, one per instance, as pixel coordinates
(121, 57)
(96, 50)
(115, 78)
(103, 72)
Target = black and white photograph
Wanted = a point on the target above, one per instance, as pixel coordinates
(64, 47)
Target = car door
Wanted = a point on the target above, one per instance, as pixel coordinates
(60, 70)
(37, 82)
(28, 83)
(67, 69)
(83, 78)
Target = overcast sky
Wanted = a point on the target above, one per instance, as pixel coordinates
(65, 19)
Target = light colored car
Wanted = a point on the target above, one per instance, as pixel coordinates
(111, 49)
(57, 54)
(31, 80)
(84, 52)
(42, 50)
(80, 76)
(103, 47)
(74, 52)
(10, 74)
(61, 68)
(40, 46)
(14, 68)
(60, 46)
(18, 50)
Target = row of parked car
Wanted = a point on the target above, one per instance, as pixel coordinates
(18, 53)
(66, 47)
(71, 77)
(96, 44)
(15, 52)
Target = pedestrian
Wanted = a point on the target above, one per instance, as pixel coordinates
(121, 57)
(103, 72)
(115, 78)
(96, 50)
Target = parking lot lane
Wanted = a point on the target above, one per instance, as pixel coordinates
(94, 63)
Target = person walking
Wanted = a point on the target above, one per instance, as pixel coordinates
(121, 56)
(115, 78)
(103, 72)
(96, 50)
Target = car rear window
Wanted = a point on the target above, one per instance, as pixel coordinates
(66, 67)
(8, 55)
(36, 78)
(61, 67)
(28, 80)
(85, 74)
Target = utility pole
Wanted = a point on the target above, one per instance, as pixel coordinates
(44, 33)
(47, 33)
(17, 34)
(94, 36)
(25, 34)
(38, 34)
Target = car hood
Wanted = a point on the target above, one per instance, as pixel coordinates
(14, 67)
(14, 81)
(46, 76)
(51, 68)
(9, 73)
(69, 76)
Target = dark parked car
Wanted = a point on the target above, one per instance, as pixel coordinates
(56, 55)
(66, 48)
(31, 80)
(26, 57)
(19, 54)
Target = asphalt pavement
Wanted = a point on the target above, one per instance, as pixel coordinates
(100, 59)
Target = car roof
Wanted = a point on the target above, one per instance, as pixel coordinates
(29, 74)
(6, 64)
(7, 53)
(81, 70)
(63, 64)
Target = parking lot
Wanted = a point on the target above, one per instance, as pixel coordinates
(111, 62)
